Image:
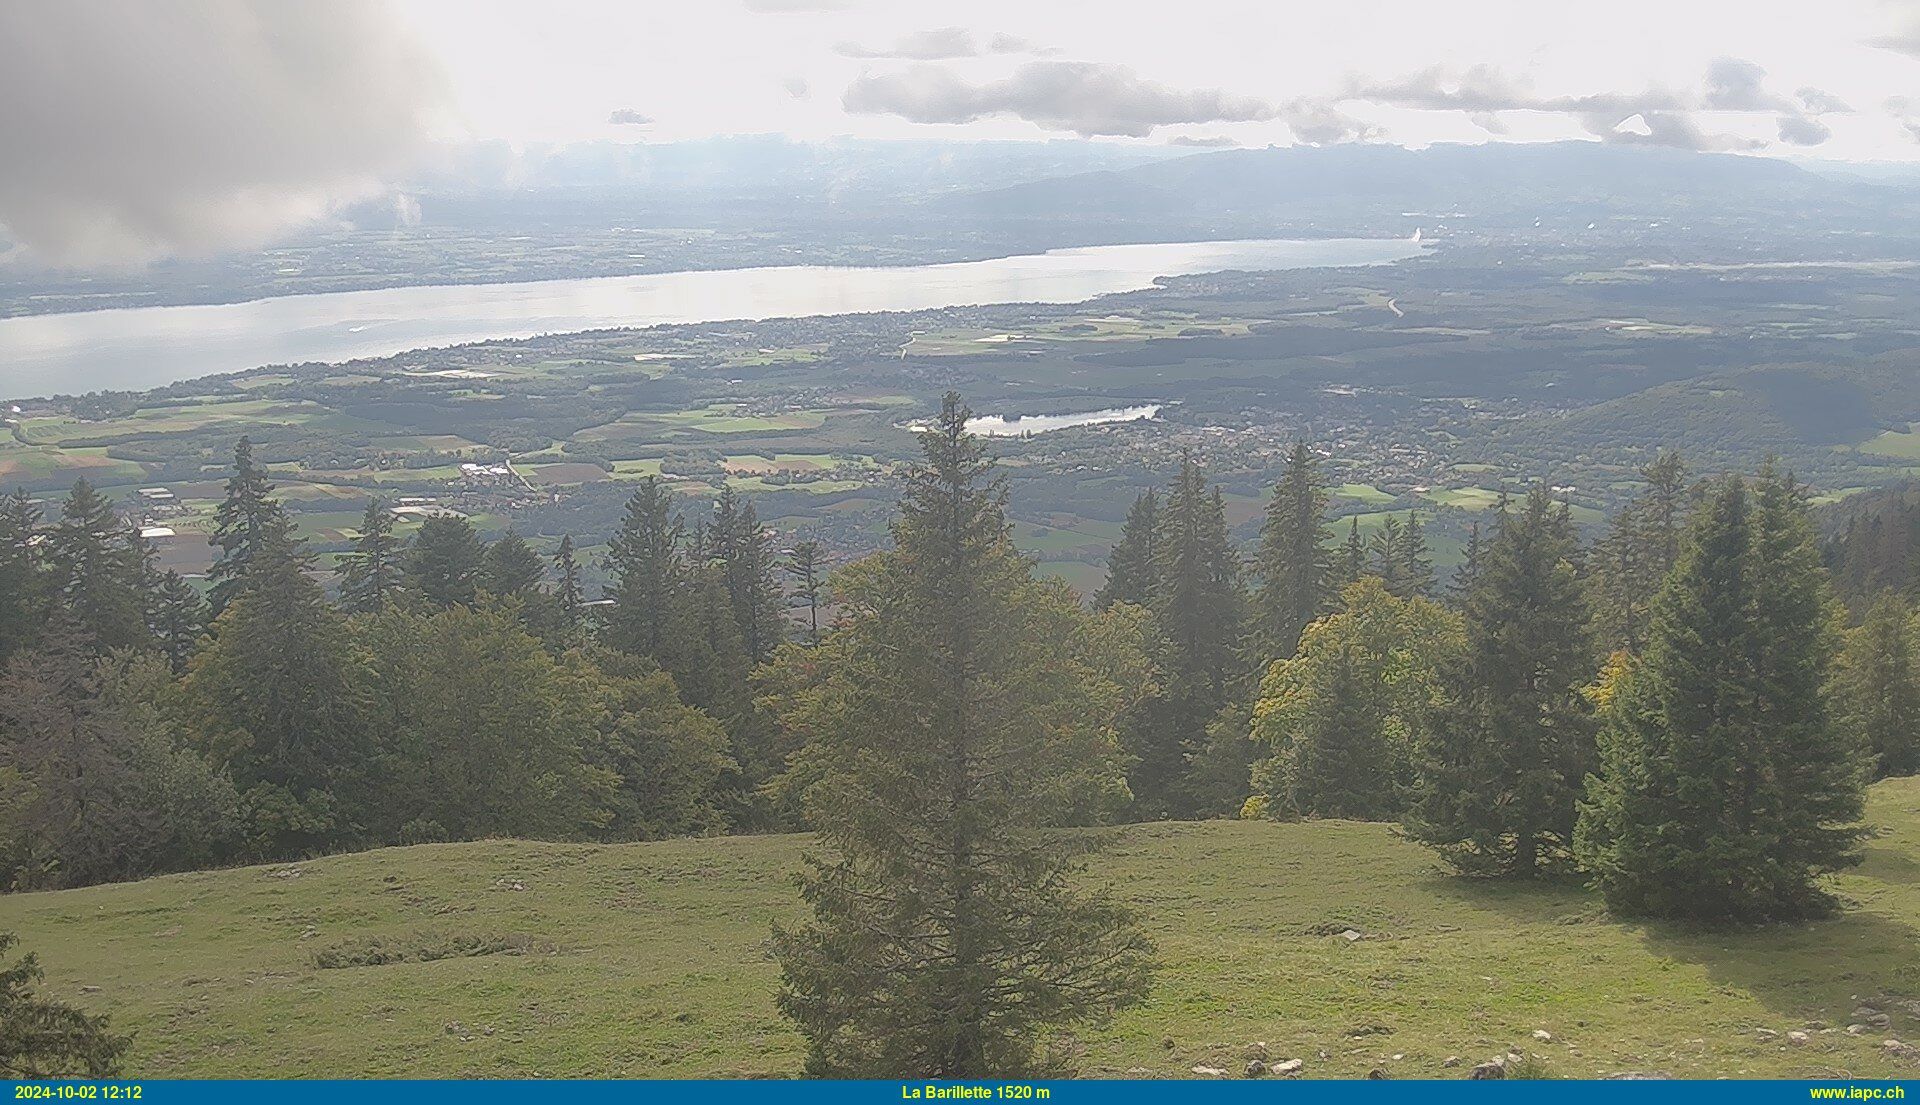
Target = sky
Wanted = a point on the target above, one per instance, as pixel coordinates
(138, 130)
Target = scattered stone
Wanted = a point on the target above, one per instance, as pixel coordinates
(1256, 1050)
(1167, 1042)
(89, 989)
(1397, 1057)
(1209, 1072)
(1495, 1067)
(1287, 1066)
(1255, 1068)
(1797, 1037)
(1856, 1029)
(1377, 1074)
(1451, 1061)
(309, 933)
(1350, 935)
(509, 884)
(1543, 1035)
(1896, 1047)
(285, 873)
(1766, 1033)
(1139, 1070)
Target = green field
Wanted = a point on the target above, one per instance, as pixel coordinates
(1466, 498)
(1363, 493)
(1894, 443)
(651, 960)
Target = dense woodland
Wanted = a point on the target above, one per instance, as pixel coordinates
(1685, 712)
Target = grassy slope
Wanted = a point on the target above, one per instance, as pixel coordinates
(661, 967)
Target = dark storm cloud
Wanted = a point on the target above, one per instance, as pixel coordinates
(134, 130)
(626, 116)
(1086, 98)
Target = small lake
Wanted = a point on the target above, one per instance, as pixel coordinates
(994, 425)
(144, 347)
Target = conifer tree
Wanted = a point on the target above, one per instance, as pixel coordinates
(278, 700)
(1199, 614)
(1468, 573)
(1294, 562)
(1415, 565)
(649, 574)
(1501, 770)
(444, 560)
(1384, 550)
(510, 568)
(23, 596)
(372, 575)
(1725, 790)
(946, 934)
(804, 565)
(1350, 563)
(1877, 686)
(745, 553)
(240, 524)
(1132, 567)
(569, 595)
(177, 618)
(43, 1039)
(1631, 563)
(96, 570)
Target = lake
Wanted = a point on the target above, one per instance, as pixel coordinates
(144, 347)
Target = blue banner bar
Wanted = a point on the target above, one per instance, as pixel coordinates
(484, 1092)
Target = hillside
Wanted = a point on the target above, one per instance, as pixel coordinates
(649, 960)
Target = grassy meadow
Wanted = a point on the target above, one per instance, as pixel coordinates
(517, 958)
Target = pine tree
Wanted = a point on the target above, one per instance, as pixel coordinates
(1468, 573)
(1199, 614)
(1631, 563)
(444, 560)
(1415, 565)
(96, 571)
(1725, 790)
(569, 595)
(649, 574)
(946, 935)
(42, 1039)
(1501, 770)
(510, 568)
(804, 565)
(372, 575)
(1383, 556)
(278, 700)
(1877, 686)
(1294, 562)
(177, 618)
(1350, 563)
(240, 524)
(23, 598)
(744, 550)
(1132, 567)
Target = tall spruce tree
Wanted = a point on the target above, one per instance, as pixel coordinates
(372, 576)
(569, 594)
(243, 520)
(805, 566)
(744, 550)
(23, 597)
(177, 618)
(1877, 685)
(649, 572)
(1631, 563)
(278, 699)
(1350, 563)
(510, 568)
(946, 934)
(444, 561)
(1199, 615)
(1294, 561)
(1725, 790)
(1132, 567)
(96, 569)
(1501, 770)
(1468, 573)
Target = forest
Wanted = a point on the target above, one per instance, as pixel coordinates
(1684, 713)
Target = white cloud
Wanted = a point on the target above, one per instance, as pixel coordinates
(135, 130)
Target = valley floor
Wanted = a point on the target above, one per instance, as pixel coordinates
(651, 960)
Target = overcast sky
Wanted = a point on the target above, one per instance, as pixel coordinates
(136, 129)
(1830, 79)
